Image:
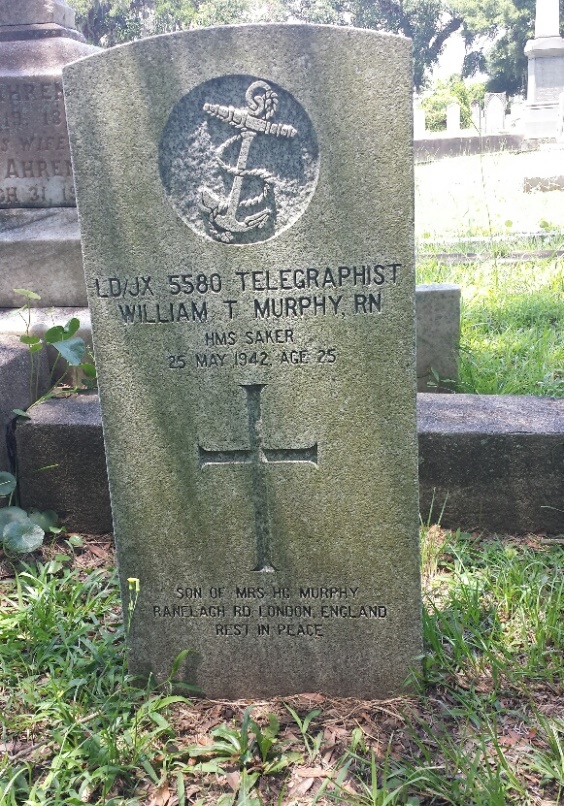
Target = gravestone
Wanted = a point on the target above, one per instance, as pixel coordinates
(39, 235)
(419, 121)
(476, 112)
(245, 197)
(494, 112)
(453, 119)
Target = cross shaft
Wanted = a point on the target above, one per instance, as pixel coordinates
(258, 457)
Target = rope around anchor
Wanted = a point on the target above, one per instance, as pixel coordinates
(259, 173)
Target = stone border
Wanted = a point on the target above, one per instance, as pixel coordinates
(486, 462)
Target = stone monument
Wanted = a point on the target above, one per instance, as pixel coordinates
(39, 234)
(245, 197)
(546, 71)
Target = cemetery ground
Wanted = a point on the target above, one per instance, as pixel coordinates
(484, 722)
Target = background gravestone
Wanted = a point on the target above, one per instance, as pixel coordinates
(39, 234)
(246, 204)
(494, 112)
(453, 119)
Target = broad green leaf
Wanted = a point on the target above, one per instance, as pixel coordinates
(88, 369)
(177, 662)
(72, 350)
(7, 483)
(10, 514)
(212, 766)
(46, 520)
(30, 339)
(23, 536)
(55, 334)
(22, 413)
(35, 348)
(71, 327)
(53, 567)
(23, 292)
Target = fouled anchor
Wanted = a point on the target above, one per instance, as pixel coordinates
(262, 103)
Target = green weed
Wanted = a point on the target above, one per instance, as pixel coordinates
(512, 325)
(484, 726)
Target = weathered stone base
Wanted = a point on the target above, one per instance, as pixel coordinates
(19, 381)
(66, 437)
(436, 146)
(40, 251)
(491, 463)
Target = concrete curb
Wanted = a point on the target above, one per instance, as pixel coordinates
(490, 463)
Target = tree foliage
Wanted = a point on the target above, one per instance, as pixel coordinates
(503, 25)
(111, 22)
(507, 25)
(428, 22)
(453, 90)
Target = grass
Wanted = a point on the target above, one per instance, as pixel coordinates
(512, 323)
(485, 724)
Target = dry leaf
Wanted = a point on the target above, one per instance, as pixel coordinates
(304, 786)
(234, 780)
(510, 739)
(312, 772)
(161, 796)
(101, 553)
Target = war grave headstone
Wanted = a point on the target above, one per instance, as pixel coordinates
(39, 234)
(246, 204)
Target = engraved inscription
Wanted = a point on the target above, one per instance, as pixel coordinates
(35, 164)
(258, 457)
(244, 187)
(341, 291)
(271, 611)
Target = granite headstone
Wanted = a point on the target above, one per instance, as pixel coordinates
(246, 204)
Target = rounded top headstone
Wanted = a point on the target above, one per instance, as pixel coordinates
(36, 12)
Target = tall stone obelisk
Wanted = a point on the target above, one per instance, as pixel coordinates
(546, 72)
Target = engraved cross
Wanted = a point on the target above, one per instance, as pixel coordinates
(258, 457)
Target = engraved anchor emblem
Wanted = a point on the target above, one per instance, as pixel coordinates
(252, 120)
